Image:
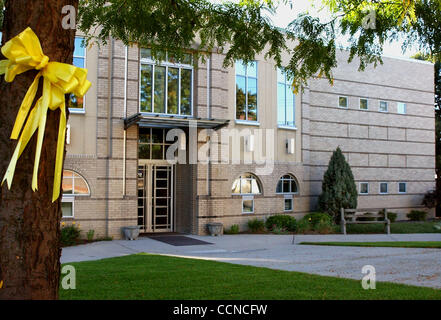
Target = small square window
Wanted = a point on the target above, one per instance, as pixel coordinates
(383, 187)
(401, 107)
(67, 208)
(383, 106)
(402, 187)
(343, 102)
(364, 188)
(247, 204)
(363, 104)
(288, 204)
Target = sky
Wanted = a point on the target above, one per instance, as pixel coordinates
(285, 14)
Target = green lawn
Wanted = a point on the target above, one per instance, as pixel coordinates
(400, 244)
(145, 276)
(396, 227)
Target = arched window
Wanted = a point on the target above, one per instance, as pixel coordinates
(287, 184)
(246, 184)
(73, 185)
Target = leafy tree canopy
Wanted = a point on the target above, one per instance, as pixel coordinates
(243, 28)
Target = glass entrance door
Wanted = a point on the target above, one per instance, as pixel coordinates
(155, 198)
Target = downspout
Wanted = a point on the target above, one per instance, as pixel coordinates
(109, 130)
(125, 116)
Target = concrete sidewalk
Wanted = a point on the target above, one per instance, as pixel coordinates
(421, 267)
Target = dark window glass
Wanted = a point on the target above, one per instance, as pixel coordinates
(240, 98)
(172, 90)
(146, 87)
(186, 91)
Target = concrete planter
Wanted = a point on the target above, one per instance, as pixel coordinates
(131, 232)
(215, 228)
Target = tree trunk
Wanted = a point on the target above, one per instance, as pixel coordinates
(29, 221)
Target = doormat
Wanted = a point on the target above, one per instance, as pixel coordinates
(179, 241)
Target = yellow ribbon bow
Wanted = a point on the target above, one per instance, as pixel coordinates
(24, 53)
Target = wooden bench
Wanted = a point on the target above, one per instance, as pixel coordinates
(350, 216)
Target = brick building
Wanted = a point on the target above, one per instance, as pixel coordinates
(268, 148)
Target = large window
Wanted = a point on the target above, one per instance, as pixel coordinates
(285, 100)
(166, 87)
(246, 91)
(76, 104)
(73, 185)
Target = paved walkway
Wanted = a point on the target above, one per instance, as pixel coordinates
(421, 267)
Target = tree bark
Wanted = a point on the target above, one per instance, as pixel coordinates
(29, 221)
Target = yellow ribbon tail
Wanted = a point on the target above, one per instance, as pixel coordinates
(25, 107)
(41, 128)
(28, 131)
(60, 154)
(9, 175)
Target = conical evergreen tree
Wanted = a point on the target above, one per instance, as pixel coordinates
(338, 188)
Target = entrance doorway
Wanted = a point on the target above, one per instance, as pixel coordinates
(156, 197)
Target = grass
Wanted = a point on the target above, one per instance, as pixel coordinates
(395, 244)
(396, 227)
(145, 276)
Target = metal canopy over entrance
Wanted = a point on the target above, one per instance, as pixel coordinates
(170, 121)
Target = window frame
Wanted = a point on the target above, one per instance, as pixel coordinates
(248, 198)
(68, 199)
(290, 198)
(167, 64)
(286, 87)
(73, 195)
(405, 107)
(367, 104)
(387, 187)
(405, 187)
(83, 109)
(387, 106)
(240, 178)
(164, 143)
(359, 187)
(347, 102)
(293, 179)
(246, 76)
